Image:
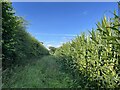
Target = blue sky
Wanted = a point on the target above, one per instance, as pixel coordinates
(54, 23)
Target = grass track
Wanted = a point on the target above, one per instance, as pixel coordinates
(43, 73)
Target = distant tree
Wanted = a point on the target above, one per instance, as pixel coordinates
(52, 49)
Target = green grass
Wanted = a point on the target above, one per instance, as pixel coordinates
(43, 73)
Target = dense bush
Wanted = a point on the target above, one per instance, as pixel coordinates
(17, 44)
(94, 60)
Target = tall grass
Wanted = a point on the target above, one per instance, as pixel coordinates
(44, 73)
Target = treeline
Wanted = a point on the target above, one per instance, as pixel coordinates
(94, 60)
(18, 45)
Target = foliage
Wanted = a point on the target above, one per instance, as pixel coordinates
(94, 60)
(52, 49)
(17, 43)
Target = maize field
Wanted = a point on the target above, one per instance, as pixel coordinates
(94, 60)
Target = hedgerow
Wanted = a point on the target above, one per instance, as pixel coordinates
(18, 45)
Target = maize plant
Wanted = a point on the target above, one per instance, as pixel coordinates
(94, 60)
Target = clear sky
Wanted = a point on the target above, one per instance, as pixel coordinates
(56, 22)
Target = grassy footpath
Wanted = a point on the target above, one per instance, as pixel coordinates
(44, 73)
